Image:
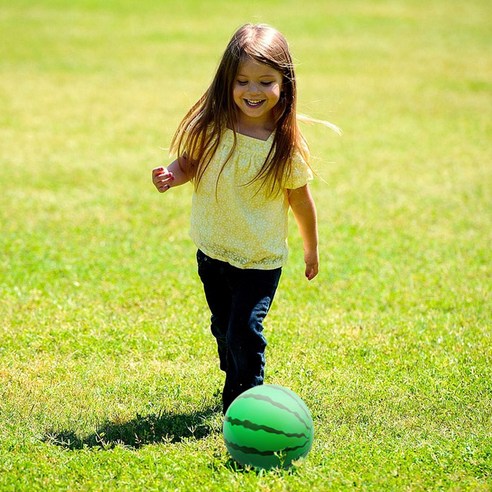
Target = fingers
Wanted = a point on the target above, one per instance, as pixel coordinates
(162, 179)
(311, 271)
(311, 260)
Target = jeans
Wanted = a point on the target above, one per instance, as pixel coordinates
(239, 300)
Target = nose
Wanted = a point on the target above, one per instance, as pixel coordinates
(254, 88)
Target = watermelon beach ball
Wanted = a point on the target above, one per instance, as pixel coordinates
(268, 426)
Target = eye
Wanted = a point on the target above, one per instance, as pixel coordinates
(266, 84)
(242, 82)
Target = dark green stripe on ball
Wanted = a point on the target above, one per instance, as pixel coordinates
(251, 450)
(278, 405)
(295, 399)
(255, 427)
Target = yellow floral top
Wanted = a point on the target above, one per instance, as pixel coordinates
(237, 222)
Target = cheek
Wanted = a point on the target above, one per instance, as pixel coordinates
(275, 93)
(276, 90)
(237, 91)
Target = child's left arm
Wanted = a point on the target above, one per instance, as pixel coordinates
(304, 210)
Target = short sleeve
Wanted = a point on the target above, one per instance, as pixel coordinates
(300, 173)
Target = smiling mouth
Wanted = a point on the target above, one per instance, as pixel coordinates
(254, 103)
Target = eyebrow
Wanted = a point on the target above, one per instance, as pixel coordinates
(268, 75)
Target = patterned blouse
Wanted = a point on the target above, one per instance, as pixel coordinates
(237, 222)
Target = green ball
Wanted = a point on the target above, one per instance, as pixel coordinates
(268, 426)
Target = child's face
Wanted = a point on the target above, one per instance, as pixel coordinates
(256, 91)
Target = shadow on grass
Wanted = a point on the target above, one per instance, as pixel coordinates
(140, 431)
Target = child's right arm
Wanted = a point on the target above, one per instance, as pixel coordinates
(175, 174)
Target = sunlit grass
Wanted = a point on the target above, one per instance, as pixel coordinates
(108, 373)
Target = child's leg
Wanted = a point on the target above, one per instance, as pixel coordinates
(213, 274)
(239, 300)
(252, 295)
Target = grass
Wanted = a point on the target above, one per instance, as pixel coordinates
(108, 374)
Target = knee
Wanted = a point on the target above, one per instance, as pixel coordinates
(218, 326)
(247, 336)
(246, 325)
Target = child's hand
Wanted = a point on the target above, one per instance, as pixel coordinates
(162, 179)
(312, 264)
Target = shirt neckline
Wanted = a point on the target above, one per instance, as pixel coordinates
(252, 138)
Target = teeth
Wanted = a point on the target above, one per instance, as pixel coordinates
(254, 102)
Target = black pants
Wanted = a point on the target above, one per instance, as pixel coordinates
(239, 300)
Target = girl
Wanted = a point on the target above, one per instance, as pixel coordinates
(241, 147)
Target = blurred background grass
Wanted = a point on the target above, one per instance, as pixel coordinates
(102, 315)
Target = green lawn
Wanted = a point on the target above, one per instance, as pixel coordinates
(108, 373)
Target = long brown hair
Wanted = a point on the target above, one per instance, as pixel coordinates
(198, 135)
